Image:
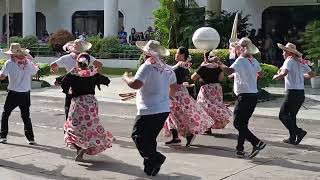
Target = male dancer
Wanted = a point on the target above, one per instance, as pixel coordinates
(19, 69)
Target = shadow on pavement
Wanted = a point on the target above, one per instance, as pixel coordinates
(284, 163)
(16, 134)
(94, 163)
(30, 169)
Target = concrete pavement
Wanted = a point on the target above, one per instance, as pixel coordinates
(210, 157)
(310, 109)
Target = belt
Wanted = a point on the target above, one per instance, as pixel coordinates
(15, 92)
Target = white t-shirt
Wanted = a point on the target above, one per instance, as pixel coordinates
(245, 79)
(295, 78)
(19, 79)
(68, 62)
(153, 96)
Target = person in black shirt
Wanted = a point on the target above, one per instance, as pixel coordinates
(210, 96)
(186, 118)
(83, 130)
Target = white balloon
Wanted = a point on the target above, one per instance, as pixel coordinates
(206, 38)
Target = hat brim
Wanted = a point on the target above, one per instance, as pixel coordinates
(69, 47)
(23, 51)
(294, 51)
(251, 48)
(162, 51)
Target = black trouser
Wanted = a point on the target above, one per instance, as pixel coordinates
(243, 110)
(67, 103)
(21, 100)
(289, 110)
(144, 134)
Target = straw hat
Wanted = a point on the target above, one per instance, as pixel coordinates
(153, 46)
(15, 49)
(77, 46)
(246, 42)
(290, 48)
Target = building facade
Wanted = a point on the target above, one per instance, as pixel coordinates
(105, 16)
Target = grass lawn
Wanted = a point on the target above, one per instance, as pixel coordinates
(113, 72)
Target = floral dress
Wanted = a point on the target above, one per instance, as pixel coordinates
(83, 127)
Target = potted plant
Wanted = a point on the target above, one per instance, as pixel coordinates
(311, 44)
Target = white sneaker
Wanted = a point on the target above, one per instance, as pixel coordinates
(3, 140)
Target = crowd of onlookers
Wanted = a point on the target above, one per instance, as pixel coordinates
(267, 43)
(135, 36)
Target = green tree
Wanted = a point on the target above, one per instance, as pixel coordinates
(311, 43)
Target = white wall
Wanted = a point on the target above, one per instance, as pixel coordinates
(138, 13)
(255, 8)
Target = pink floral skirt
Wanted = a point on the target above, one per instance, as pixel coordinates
(83, 127)
(186, 116)
(210, 98)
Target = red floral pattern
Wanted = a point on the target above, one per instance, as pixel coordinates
(83, 127)
(186, 116)
(210, 98)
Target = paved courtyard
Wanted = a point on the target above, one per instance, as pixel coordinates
(211, 157)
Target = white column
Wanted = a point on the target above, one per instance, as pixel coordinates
(110, 17)
(28, 17)
(213, 6)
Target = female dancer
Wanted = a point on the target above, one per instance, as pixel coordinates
(186, 118)
(210, 96)
(83, 128)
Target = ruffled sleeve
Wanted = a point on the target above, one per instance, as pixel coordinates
(101, 79)
(65, 82)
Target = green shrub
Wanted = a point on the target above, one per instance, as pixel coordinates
(26, 42)
(268, 71)
(2, 61)
(16, 39)
(59, 39)
(44, 70)
(311, 40)
(29, 41)
(108, 47)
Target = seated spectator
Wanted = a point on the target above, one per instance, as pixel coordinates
(45, 37)
(122, 35)
(148, 34)
(133, 36)
(83, 36)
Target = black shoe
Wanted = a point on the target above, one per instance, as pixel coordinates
(208, 132)
(256, 149)
(156, 168)
(148, 169)
(289, 141)
(173, 142)
(240, 154)
(300, 136)
(190, 138)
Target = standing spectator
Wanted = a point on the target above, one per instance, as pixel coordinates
(260, 40)
(133, 36)
(276, 38)
(252, 36)
(289, 36)
(122, 35)
(268, 49)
